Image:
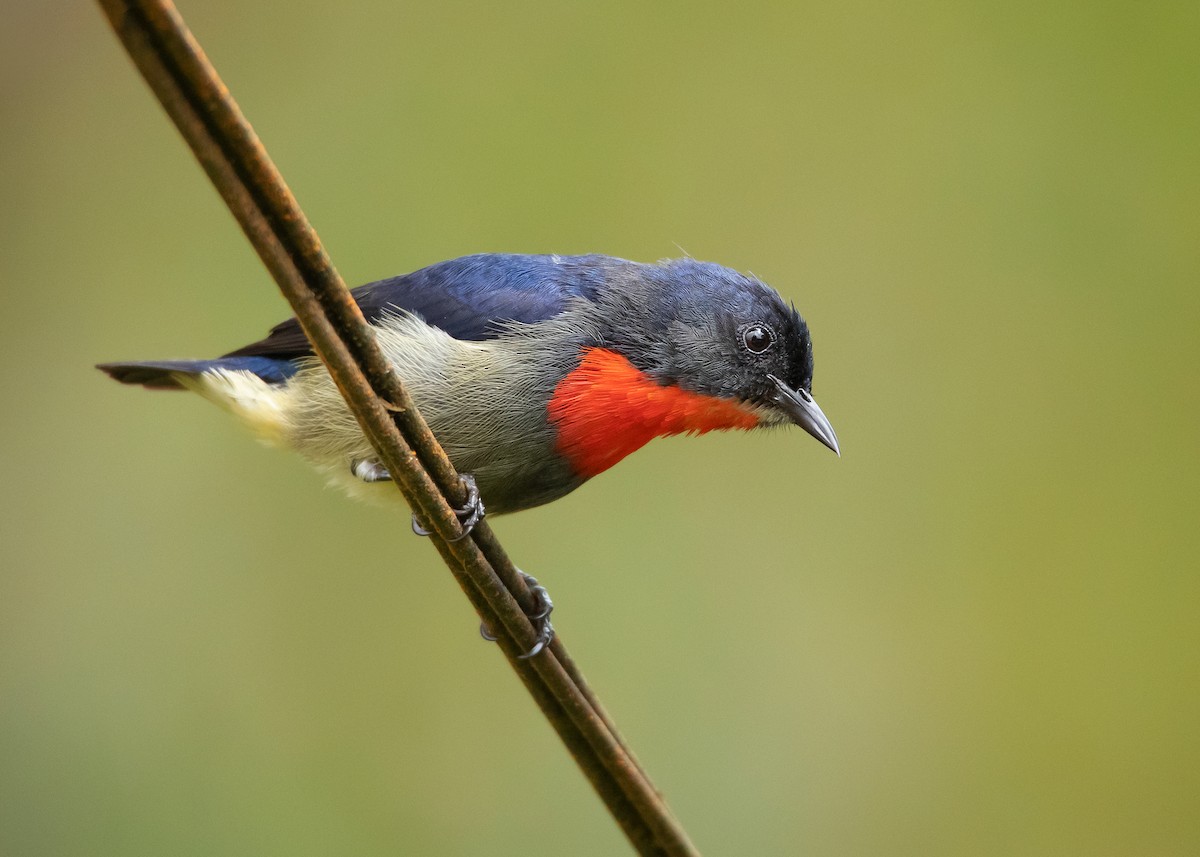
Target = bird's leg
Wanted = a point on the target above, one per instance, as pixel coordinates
(540, 618)
(468, 516)
(369, 471)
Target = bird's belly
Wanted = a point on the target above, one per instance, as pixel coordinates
(484, 401)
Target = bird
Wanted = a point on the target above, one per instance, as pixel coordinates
(535, 372)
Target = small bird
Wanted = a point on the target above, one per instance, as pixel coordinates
(536, 372)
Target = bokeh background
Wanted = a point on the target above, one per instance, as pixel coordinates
(976, 633)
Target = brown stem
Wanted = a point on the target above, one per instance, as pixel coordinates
(186, 84)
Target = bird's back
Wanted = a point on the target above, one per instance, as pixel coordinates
(473, 298)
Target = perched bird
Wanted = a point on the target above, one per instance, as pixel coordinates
(536, 373)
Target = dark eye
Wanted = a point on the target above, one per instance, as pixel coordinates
(757, 338)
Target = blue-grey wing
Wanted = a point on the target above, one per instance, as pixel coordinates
(470, 298)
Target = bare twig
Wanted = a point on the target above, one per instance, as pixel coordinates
(176, 68)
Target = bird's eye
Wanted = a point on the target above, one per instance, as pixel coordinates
(757, 338)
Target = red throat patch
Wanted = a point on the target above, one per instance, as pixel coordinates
(607, 408)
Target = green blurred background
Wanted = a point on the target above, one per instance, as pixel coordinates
(976, 633)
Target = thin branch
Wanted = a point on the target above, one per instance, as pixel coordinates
(186, 84)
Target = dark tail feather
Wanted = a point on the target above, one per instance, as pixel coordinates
(160, 374)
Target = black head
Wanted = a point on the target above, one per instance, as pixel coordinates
(711, 330)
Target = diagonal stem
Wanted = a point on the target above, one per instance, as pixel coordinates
(186, 84)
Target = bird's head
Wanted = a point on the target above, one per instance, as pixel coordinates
(709, 330)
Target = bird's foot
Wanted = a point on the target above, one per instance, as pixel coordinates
(369, 471)
(468, 516)
(540, 617)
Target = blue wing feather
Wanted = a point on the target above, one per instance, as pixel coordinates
(469, 298)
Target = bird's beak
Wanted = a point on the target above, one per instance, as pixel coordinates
(799, 405)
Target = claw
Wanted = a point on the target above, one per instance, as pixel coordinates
(540, 595)
(468, 516)
(540, 619)
(545, 636)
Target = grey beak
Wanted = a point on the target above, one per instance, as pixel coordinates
(799, 405)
